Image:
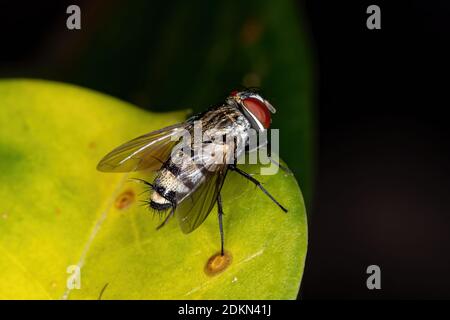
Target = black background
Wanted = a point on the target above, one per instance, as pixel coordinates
(382, 185)
(383, 179)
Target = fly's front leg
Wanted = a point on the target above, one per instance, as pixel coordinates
(258, 184)
(220, 215)
(275, 162)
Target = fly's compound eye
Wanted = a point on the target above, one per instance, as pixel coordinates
(258, 110)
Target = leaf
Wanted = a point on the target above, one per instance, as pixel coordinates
(57, 211)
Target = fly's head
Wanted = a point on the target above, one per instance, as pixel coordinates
(255, 108)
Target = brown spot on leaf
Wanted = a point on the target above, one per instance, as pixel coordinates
(125, 199)
(217, 263)
(92, 145)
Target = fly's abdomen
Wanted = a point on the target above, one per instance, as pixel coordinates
(174, 182)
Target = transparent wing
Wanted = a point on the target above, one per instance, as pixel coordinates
(145, 152)
(194, 209)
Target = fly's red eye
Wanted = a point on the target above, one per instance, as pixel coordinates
(259, 110)
(233, 93)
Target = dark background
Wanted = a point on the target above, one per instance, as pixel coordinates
(382, 193)
(372, 145)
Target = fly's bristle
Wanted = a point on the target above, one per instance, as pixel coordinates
(146, 183)
(145, 191)
(160, 213)
(149, 188)
(145, 203)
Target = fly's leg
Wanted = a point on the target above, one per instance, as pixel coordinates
(235, 152)
(258, 184)
(282, 167)
(279, 165)
(172, 212)
(220, 215)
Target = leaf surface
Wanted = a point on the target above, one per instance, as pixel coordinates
(58, 211)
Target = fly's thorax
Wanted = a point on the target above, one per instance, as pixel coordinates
(217, 154)
(228, 130)
(224, 118)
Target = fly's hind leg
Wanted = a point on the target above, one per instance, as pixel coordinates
(220, 215)
(276, 162)
(170, 215)
(282, 167)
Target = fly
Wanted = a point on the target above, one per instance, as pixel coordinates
(190, 174)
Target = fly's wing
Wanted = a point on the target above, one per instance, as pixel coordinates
(145, 152)
(194, 209)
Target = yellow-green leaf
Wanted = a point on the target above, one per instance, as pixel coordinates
(57, 211)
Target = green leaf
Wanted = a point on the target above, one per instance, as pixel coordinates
(56, 210)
